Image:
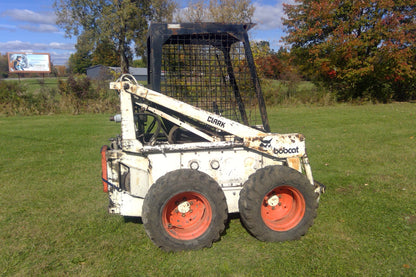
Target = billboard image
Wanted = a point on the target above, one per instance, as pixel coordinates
(29, 62)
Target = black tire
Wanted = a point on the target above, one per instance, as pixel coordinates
(184, 210)
(277, 203)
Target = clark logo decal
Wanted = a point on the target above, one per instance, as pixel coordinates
(217, 122)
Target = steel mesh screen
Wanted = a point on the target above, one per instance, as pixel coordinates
(209, 71)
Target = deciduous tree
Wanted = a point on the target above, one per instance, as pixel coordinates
(362, 49)
(105, 53)
(267, 61)
(79, 61)
(120, 22)
(224, 11)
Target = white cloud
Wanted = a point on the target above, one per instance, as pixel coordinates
(60, 58)
(35, 23)
(39, 22)
(21, 46)
(41, 28)
(8, 27)
(31, 16)
(269, 17)
(62, 46)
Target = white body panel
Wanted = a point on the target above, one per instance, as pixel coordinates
(229, 167)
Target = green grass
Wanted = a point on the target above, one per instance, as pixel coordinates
(54, 219)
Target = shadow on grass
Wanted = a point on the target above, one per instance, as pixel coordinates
(133, 219)
(138, 220)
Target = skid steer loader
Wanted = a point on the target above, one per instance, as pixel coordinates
(189, 153)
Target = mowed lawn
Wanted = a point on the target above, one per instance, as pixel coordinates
(54, 220)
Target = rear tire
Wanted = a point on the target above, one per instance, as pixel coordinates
(277, 203)
(184, 210)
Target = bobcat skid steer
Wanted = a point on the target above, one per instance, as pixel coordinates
(190, 153)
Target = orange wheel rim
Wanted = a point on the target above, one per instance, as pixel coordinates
(187, 215)
(283, 208)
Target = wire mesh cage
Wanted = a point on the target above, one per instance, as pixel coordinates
(207, 65)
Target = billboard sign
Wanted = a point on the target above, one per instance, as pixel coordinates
(20, 62)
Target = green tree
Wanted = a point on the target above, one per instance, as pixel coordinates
(106, 54)
(361, 49)
(163, 10)
(79, 61)
(260, 49)
(267, 62)
(118, 21)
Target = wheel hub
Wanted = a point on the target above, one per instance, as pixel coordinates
(273, 201)
(283, 208)
(184, 207)
(187, 215)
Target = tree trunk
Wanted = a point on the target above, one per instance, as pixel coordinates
(124, 61)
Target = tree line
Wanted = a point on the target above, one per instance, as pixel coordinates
(359, 49)
(111, 32)
(356, 49)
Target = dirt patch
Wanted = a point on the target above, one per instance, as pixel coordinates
(411, 219)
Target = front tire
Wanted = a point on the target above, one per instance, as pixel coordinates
(184, 210)
(277, 203)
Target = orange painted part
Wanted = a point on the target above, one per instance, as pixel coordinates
(104, 167)
(294, 163)
(190, 224)
(289, 211)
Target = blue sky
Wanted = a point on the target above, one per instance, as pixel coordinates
(29, 26)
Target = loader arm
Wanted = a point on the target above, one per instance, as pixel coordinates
(276, 145)
(211, 119)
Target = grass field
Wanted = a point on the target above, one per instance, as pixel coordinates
(54, 220)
